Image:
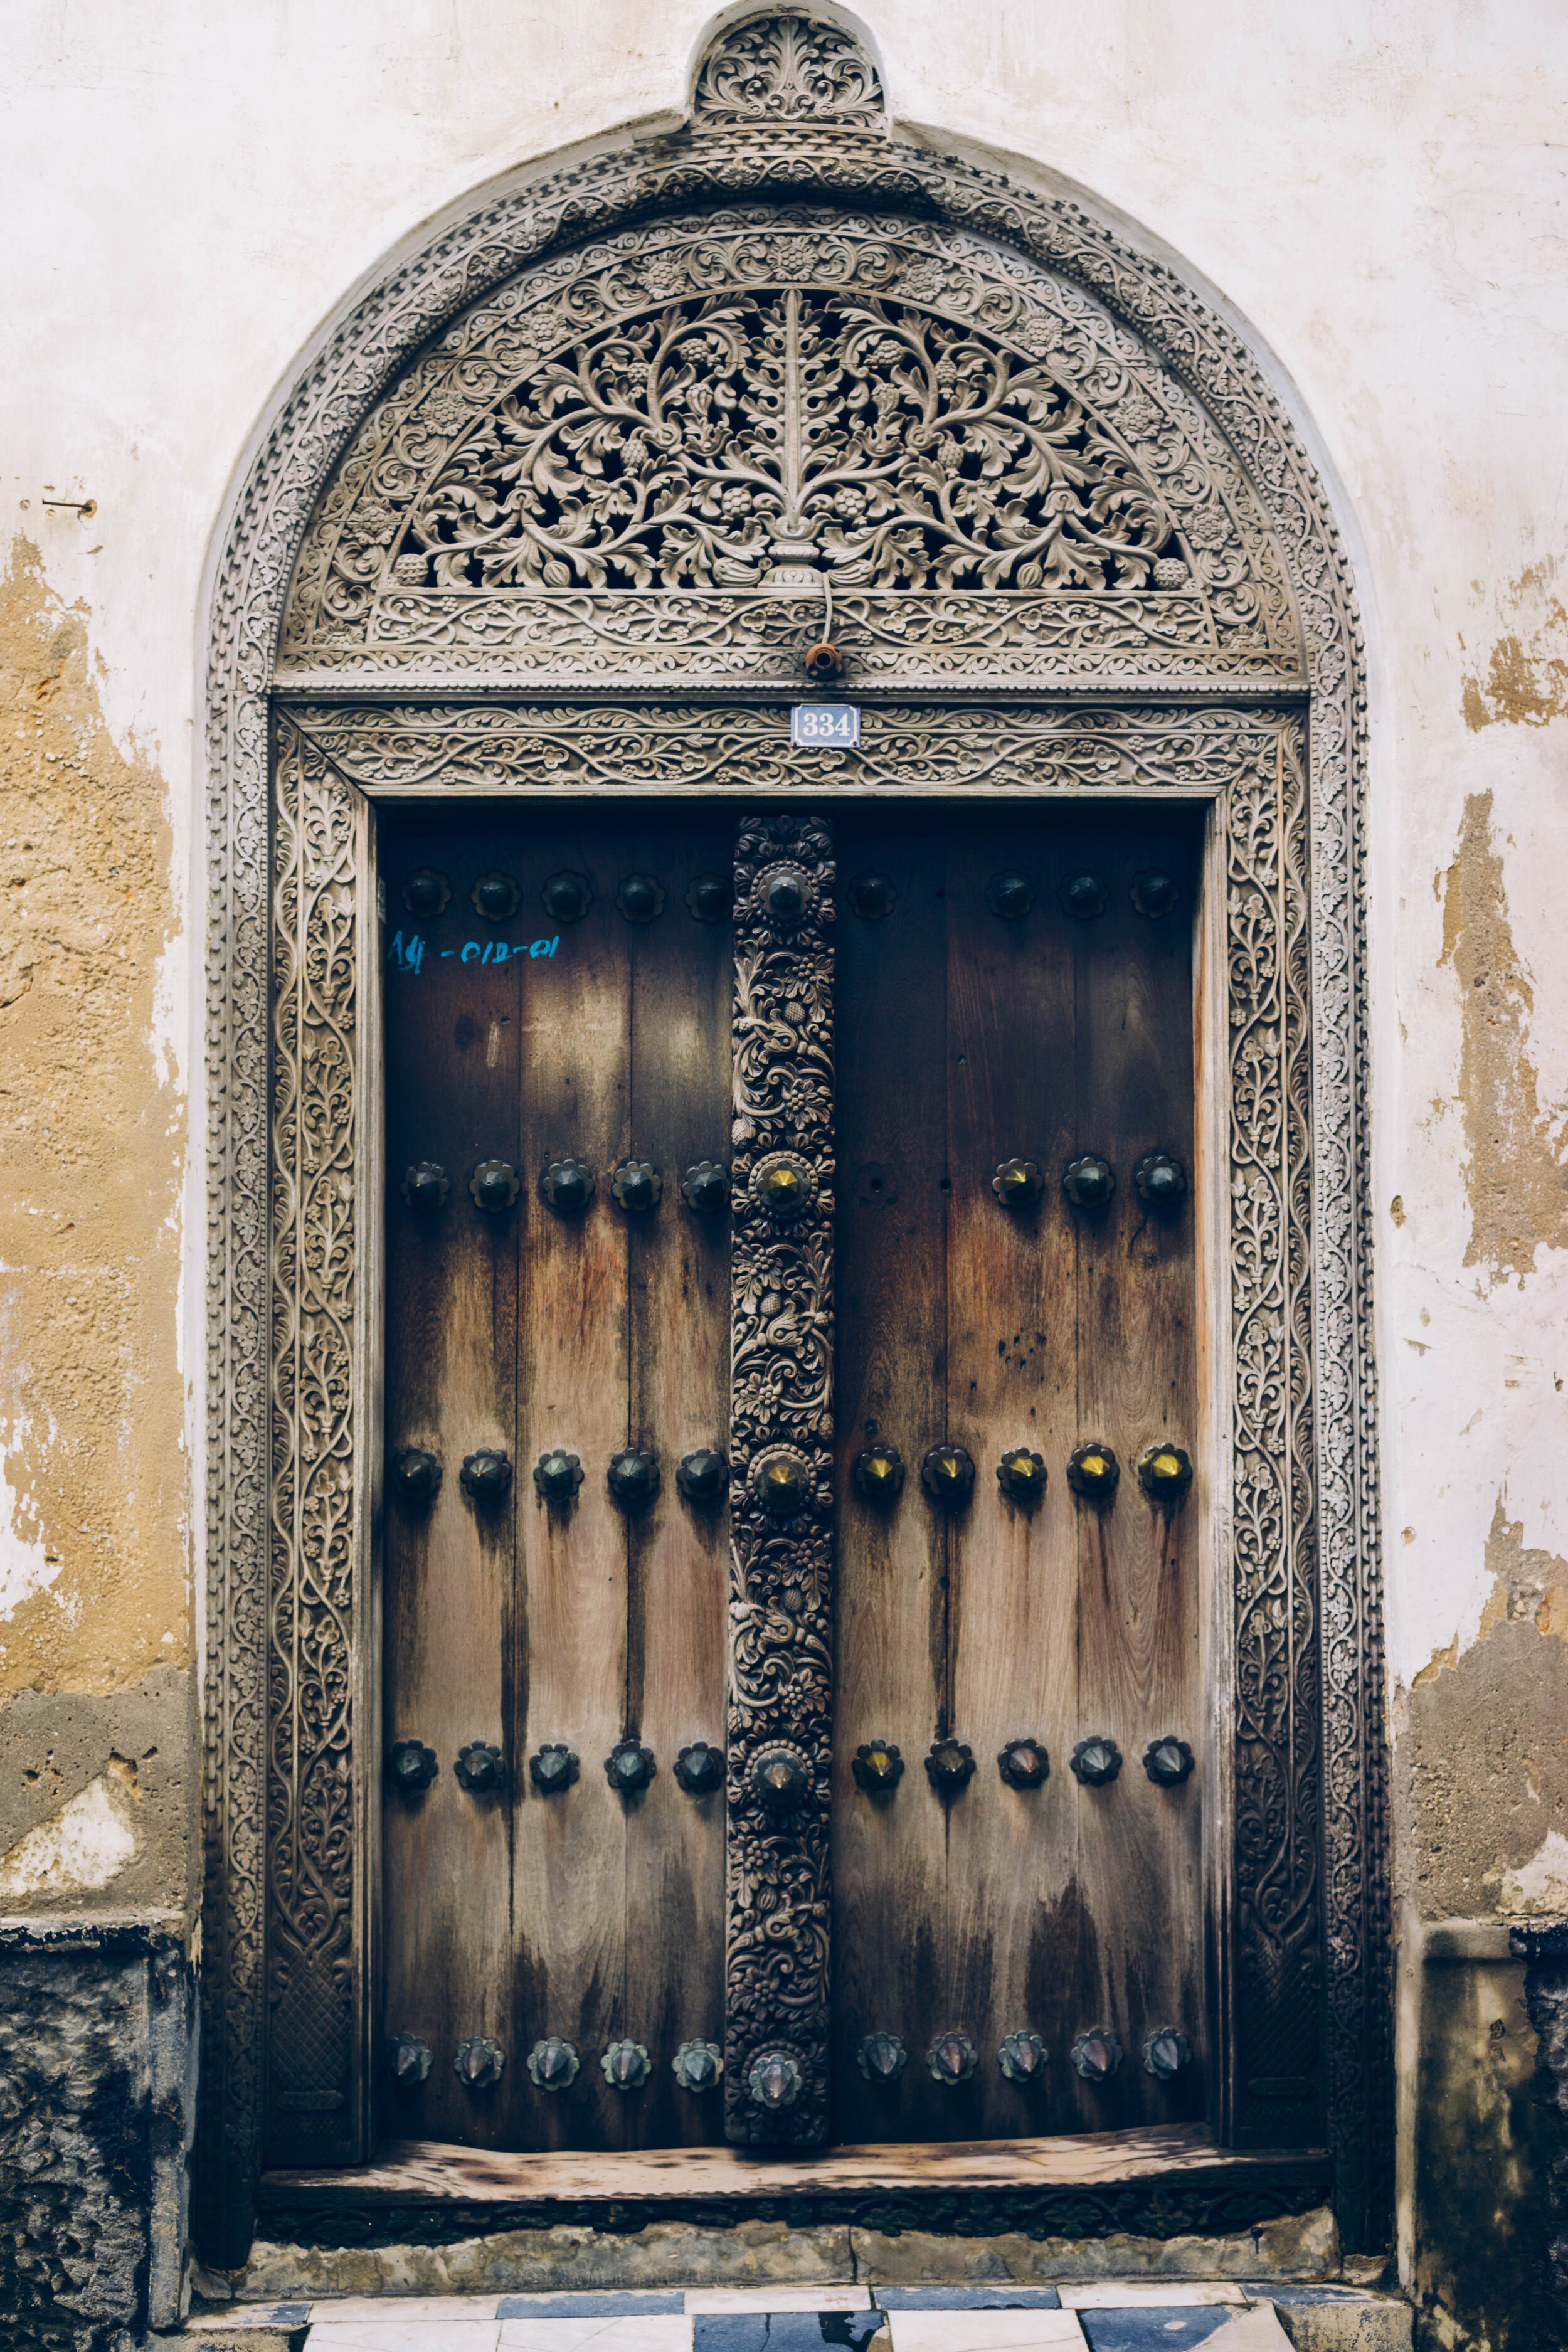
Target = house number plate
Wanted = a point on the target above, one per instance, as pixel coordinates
(825, 722)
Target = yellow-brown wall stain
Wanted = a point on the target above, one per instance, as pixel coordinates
(92, 1527)
(1518, 1199)
(1526, 679)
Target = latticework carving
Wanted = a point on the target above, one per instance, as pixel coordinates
(781, 1395)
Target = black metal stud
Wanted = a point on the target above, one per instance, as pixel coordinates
(774, 2080)
(1161, 1182)
(478, 2063)
(879, 1473)
(485, 1476)
(1168, 1761)
(567, 897)
(706, 1188)
(703, 1478)
(780, 1779)
(1093, 1472)
(495, 896)
(1096, 1760)
(640, 898)
(1024, 1763)
(1153, 894)
(1083, 897)
(1022, 2058)
(1089, 1181)
(877, 1768)
(707, 897)
(697, 2066)
(1017, 1183)
(626, 2065)
(785, 894)
(425, 1187)
(637, 1187)
(699, 1769)
(1164, 1473)
(407, 2061)
(427, 894)
(947, 1474)
(950, 1766)
(1096, 2054)
(784, 1481)
(1166, 2052)
(871, 897)
(411, 1766)
(493, 1186)
(882, 2057)
(415, 1478)
(557, 1475)
(552, 2065)
(951, 2059)
(629, 1767)
(567, 1187)
(1010, 896)
(481, 1768)
(552, 1767)
(633, 1476)
(784, 1184)
(1021, 1476)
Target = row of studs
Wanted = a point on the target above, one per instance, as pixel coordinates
(641, 897)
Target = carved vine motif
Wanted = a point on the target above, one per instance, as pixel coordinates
(788, 68)
(781, 1571)
(311, 1857)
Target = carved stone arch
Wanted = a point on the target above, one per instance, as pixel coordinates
(784, 198)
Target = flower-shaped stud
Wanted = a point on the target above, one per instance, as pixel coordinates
(1161, 1182)
(477, 2064)
(1096, 2054)
(774, 2080)
(705, 1188)
(633, 1478)
(784, 1185)
(552, 1767)
(1083, 896)
(707, 897)
(1024, 1763)
(425, 1187)
(640, 898)
(1097, 1760)
(636, 1187)
(409, 2060)
(626, 2065)
(493, 1186)
(1089, 1181)
(1017, 1183)
(1168, 1761)
(495, 896)
(414, 1478)
(557, 1475)
(882, 2057)
(1166, 2052)
(1093, 1472)
(1010, 895)
(567, 1187)
(697, 2066)
(1154, 893)
(703, 1478)
(699, 1769)
(485, 1476)
(879, 1473)
(877, 1768)
(780, 1779)
(1021, 1476)
(947, 1474)
(950, 1766)
(411, 1766)
(951, 2059)
(1022, 2057)
(1164, 1473)
(481, 1768)
(871, 897)
(427, 894)
(785, 894)
(784, 1481)
(566, 898)
(552, 2065)
(629, 1767)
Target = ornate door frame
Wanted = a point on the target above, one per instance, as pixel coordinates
(787, 111)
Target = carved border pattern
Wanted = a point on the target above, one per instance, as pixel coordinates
(781, 1396)
(538, 220)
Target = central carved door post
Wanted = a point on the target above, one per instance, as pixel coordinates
(780, 1692)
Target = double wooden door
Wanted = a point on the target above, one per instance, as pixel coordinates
(1016, 1938)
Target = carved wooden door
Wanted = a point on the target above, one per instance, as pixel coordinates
(991, 1569)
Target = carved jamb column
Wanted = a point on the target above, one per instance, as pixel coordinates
(781, 1578)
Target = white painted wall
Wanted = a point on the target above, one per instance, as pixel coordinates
(1377, 186)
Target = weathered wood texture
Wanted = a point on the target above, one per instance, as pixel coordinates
(584, 1915)
(966, 1039)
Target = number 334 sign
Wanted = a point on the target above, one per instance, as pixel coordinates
(837, 723)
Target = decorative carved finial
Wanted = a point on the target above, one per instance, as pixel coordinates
(789, 68)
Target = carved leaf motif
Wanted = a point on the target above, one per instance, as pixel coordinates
(788, 68)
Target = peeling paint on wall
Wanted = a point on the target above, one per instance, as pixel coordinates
(1516, 1181)
(1526, 683)
(88, 1841)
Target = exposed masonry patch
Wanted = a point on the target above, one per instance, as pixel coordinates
(1515, 1173)
(1526, 683)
